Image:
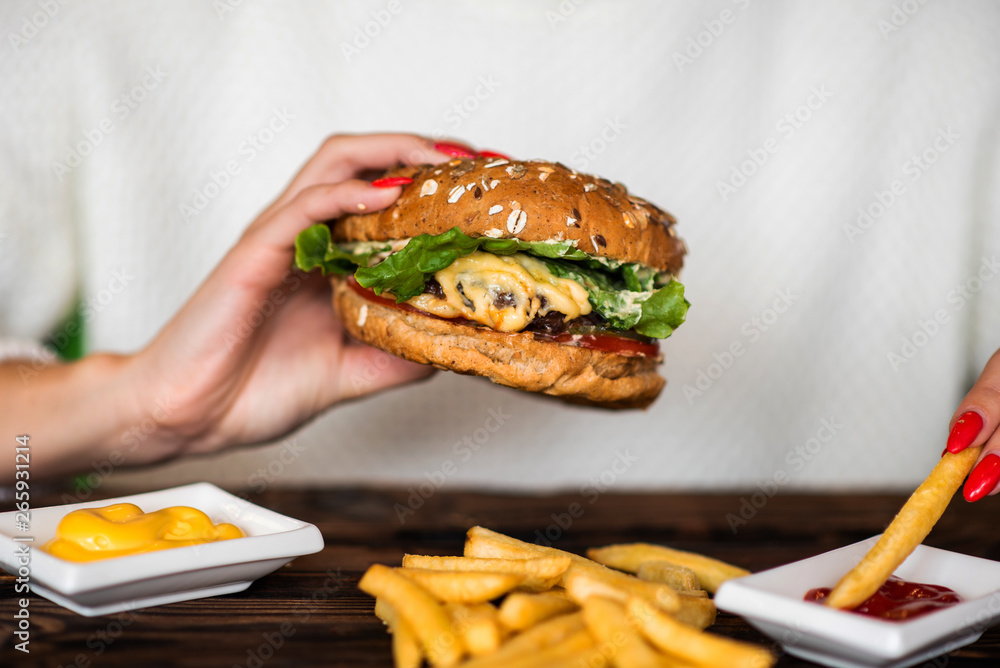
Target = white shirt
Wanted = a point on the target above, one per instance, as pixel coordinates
(834, 169)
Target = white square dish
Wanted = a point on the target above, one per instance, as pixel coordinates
(772, 602)
(139, 581)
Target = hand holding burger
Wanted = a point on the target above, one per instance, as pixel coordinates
(525, 272)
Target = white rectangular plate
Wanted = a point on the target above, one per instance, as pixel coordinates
(167, 576)
(772, 602)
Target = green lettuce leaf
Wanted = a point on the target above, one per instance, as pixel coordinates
(663, 311)
(623, 293)
(313, 248)
(634, 305)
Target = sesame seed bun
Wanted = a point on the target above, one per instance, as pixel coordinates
(517, 360)
(530, 200)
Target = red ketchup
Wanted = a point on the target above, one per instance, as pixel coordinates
(898, 600)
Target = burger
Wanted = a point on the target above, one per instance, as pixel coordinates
(525, 272)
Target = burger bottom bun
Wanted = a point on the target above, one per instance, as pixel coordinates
(518, 360)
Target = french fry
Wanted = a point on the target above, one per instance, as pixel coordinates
(520, 611)
(589, 657)
(680, 578)
(616, 638)
(907, 530)
(406, 651)
(584, 583)
(463, 586)
(478, 625)
(482, 542)
(559, 591)
(567, 652)
(700, 649)
(540, 574)
(386, 613)
(696, 611)
(430, 622)
(533, 641)
(628, 557)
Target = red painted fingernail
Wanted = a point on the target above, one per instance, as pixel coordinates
(392, 182)
(983, 478)
(966, 428)
(454, 150)
(493, 154)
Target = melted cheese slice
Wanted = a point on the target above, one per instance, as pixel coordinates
(504, 293)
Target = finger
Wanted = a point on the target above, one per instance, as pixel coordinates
(975, 423)
(262, 259)
(455, 149)
(345, 156)
(316, 204)
(978, 414)
(984, 479)
(364, 370)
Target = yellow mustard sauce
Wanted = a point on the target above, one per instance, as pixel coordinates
(122, 529)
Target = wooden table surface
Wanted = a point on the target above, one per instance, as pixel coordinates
(310, 613)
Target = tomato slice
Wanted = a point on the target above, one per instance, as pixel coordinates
(370, 295)
(608, 343)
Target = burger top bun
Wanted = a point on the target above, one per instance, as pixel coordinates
(529, 200)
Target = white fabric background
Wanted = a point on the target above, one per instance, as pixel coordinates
(552, 86)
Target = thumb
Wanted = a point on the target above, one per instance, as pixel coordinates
(366, 370)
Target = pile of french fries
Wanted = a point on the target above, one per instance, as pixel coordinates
(628, 606)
